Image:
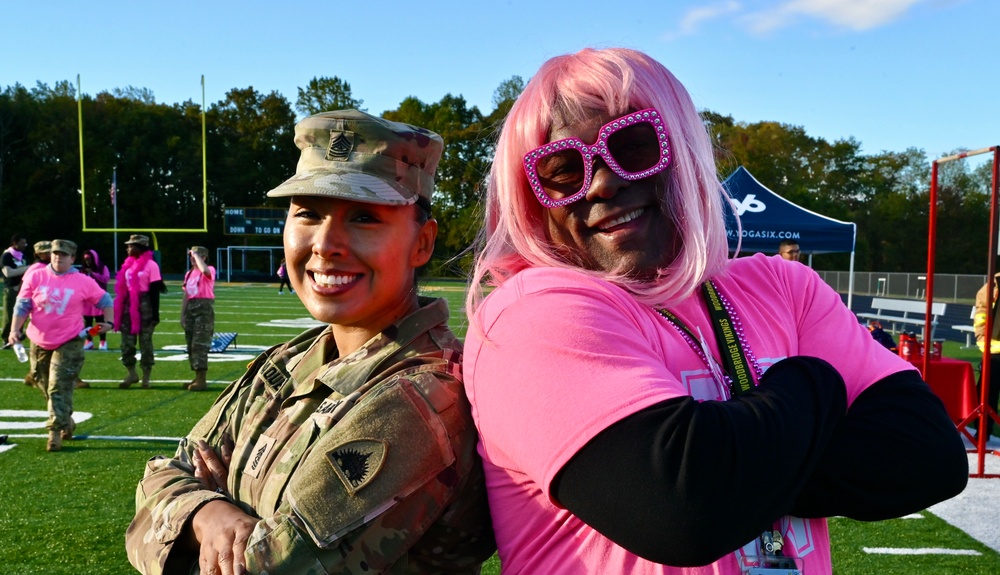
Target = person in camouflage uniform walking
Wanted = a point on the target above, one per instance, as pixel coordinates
(198, 315)
(351, 448)
(34, 377)
(55, 297)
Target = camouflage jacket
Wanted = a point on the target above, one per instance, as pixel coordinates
(360, 464)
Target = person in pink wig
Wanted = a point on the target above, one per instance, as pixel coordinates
(646, 404)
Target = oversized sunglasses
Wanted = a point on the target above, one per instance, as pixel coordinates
(634, 146)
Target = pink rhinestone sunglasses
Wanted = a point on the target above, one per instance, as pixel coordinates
(634, 146)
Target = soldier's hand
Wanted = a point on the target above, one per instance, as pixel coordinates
(222, 530)
(209, 468)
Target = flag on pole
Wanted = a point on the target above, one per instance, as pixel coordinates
(114, 186)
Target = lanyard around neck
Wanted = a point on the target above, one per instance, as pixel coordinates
(728, 337)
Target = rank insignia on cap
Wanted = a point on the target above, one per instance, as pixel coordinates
(358, 462)
(341, 144)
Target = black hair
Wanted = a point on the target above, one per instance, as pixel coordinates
(423, 206)
(422, 209)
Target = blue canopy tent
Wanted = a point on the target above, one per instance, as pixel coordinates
(767, 219)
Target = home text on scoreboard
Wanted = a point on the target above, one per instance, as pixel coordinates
(258, 221)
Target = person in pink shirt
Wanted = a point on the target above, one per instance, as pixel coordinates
(43, 256)
(55, 298)
(198, 315)
(97, 271)
(645, 404)
(42, 251)
(137, 307)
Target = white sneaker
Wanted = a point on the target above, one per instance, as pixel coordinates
(88, 344)
(104, 346)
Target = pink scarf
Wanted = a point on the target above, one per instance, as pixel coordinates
(18, 255)
(130, 289)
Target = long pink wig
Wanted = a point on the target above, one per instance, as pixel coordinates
(574, 86)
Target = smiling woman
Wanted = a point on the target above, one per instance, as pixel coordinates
(351, 448)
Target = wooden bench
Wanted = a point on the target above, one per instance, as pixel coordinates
(895, 312)
(221, 341)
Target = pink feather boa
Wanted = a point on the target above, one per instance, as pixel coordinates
(126, 290)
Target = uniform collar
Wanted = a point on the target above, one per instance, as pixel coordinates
(314, 368)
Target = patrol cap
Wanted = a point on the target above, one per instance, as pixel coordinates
(356, 156)
(63, 247)
(200, 250)
(43, 247)
(138, 239)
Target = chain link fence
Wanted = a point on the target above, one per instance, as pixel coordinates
(956, 288)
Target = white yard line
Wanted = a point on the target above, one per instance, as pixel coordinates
(975, 509)
(919, 551)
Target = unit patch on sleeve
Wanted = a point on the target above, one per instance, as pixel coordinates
(357, 462)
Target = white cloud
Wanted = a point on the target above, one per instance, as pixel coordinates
(691, 21)
(853, 14)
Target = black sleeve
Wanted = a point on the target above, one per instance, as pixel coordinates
(155, 289)
(897, 452)
(683, 483)
(677, 484)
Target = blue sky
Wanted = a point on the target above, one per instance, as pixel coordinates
(893, 74)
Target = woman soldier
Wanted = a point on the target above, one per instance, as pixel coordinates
(349, 449)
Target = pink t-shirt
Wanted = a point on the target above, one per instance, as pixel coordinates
(199, 285)
(58, 303)
(148, 274)
(566, 356)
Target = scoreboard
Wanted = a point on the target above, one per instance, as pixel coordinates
(254, 221)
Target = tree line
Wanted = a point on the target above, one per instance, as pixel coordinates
(155, 150)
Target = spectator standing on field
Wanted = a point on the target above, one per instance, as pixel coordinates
(198, 315)
(979, 323)
(137, 307)
(93, 268)
(283, 277)
(55, 298)
(43, 252)
(13, 264)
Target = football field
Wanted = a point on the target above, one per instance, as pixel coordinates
(66, 512)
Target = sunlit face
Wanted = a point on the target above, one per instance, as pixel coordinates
(351, 263)
(619, 226)
(61, 262)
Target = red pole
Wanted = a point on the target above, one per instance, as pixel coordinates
(931, 253)
(985, 409)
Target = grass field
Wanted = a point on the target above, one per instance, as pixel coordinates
(66, 512)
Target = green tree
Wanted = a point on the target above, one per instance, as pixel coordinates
(324, 94)
(506, 94)
(459, 175)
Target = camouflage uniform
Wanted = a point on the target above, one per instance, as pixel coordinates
(148, 323)
(362, 464)
(58, 369)
(198, 321)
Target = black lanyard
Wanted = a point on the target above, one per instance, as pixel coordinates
(734, 357)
